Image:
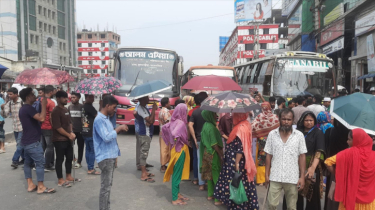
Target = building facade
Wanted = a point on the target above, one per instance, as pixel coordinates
(40, 30)
(95, 48)
(252, 41)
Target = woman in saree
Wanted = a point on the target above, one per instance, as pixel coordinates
(211, 149)
(262, 125)
(315, 145)
(238, 158)
(355, 173)
(324, 121)
(175, 135)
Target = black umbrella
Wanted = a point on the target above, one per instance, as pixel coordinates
(230, 102)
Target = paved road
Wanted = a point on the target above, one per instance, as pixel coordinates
(128, 192)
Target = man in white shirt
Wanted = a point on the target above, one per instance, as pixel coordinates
(327, 104)
(317, 107)
(285, 162)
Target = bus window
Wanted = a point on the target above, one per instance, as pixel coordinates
(240, 75)
(253, 72)
(256, 75)
(246, 76)
(262, 73)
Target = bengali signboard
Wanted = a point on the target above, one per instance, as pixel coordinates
(332, 32)
(252, 10)
(334, 46)
(365, 24)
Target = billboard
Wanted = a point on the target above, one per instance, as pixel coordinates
(252, 10)
(262, 38)
(332, 32)
(370, 53)
(222, 42)
(365, 24)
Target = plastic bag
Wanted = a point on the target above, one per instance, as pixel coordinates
(238, 195)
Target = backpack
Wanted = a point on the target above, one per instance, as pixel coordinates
(37, 105)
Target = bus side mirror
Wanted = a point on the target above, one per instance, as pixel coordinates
(111, 65)
(180, 66)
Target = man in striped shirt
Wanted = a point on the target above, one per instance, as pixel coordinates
(11, 108)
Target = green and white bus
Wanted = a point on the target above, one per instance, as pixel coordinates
(288, 75)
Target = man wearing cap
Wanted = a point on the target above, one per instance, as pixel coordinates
(327, 104)
(372, 90)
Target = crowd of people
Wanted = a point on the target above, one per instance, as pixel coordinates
(286, 145)
(289, 146)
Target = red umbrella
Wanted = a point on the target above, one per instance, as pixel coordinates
(43, 76)
(211, 82)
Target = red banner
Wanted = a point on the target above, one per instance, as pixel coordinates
(263, 38)
(250, 54)
(93, 67)
(89, 58)
(85, 41)
(332, 33)
(92, 49)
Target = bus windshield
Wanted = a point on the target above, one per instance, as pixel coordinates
(147, 64)
(293, 79)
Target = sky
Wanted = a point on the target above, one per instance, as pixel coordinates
(140, 23)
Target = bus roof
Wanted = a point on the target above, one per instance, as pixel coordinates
(211, 67)
(290, 54)
(152, 48)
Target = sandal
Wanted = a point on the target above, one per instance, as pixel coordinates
(149, 165)
(150, 175)
(94, 172)
(183, 198)
(77, 166)
(75, 180)
(65, 185)
(33, 190)
(210, 198)
(139, 169)
(195, 182)
(149, 180)
(181, 203)
(201, 188)
(48, 191)
(218, 203)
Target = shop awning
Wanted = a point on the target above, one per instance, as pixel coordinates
(366, 76)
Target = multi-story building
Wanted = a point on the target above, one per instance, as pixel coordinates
(39, 30)
(94, 51)
(254, 41)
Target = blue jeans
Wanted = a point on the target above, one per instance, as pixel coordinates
(34, 154)
(196, 165)
(19, 151)
(90, 152)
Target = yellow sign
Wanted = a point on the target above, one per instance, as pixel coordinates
(334, 14)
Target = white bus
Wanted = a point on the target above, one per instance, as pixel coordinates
(288, 75)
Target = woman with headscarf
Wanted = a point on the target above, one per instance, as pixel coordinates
(189, 101)
(211, 149)
(175, 136)
(238, 158)
(324, 121)
(336, 141)
(225, 126)
(355, 173)
(314, 139)
(262, 125)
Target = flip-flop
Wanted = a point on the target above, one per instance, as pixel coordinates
(210, 198)
(149, 165)
(47, 191)
(139, 169)
(149, 180)
(33, 190)
(183, 198)
(93, 173)
(182, 203)
(65, 185)
(195, 182)
(76, 179)
(218, 203)
(150, 175)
